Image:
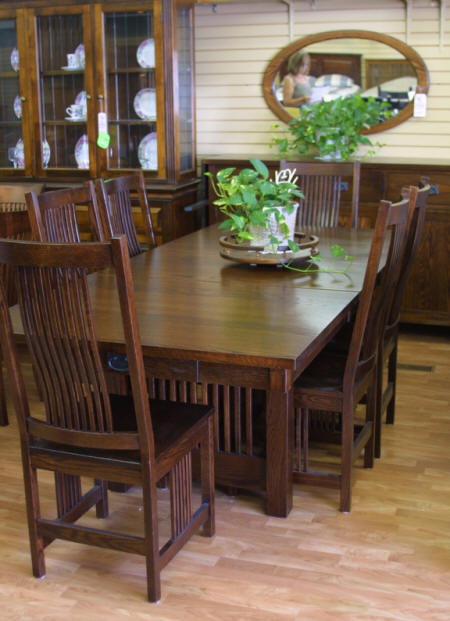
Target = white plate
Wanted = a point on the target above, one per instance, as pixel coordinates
(19, 154)
(148, 152)
(79, 51)
(45, 154)
(144, 104)
(15, 59)
(80, 99)
(17, 105)
(82, 152)
(145, 54)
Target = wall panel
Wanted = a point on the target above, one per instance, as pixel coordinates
(235, 42)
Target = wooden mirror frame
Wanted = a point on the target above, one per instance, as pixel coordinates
(275, 64)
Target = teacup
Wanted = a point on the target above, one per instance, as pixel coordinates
(72, 61)
(76, 111)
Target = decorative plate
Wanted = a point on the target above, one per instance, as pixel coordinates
(82, 152)
(45, 154)
(19, 154)
(79, 51)
(145, 54)
(256, 255)
(144, 104)
(80, 99)
(148, 152)
(15, 59)
(17, 105)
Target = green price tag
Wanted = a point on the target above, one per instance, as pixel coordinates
(103, 140)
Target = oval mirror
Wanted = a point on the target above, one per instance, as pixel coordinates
(346, 61)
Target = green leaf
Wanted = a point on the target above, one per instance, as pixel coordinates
(336, 251)
(239, 221)
(260, 167)
(293, 245)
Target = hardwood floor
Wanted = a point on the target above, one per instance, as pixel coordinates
(388, 559)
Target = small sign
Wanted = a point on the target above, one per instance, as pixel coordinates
(102, 123)
(420, 104)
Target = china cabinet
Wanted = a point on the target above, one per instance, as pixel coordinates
(99, 89)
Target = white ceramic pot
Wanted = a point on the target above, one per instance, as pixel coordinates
(261, 236)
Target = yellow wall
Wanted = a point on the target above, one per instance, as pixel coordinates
(235, 42)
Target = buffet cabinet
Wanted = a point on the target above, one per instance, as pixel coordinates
(426, 299)
(90, 89)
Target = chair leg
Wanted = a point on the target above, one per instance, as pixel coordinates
(372, 418)
(207, 478)
(151, 538)
(346, 459)
(392, 380)
(102, 507)
(3, 410)
(378, 396)
(33, 514)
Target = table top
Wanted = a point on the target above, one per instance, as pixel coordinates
(193, 304)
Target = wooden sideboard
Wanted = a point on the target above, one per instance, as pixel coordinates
(426, 299)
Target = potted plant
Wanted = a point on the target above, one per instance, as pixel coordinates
(333, 127)
(258, 210)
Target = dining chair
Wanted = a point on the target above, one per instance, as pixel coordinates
(336, 381)
(87, 432)
(115, 199)
(388, 345)
(12, 195)
(322, 184)
(54, 215)
(14, 224)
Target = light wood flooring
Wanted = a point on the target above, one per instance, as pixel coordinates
(388, 559)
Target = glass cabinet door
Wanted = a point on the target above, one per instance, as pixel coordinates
(63, 90)
(11, 140)
(131, 102)
(185, 63)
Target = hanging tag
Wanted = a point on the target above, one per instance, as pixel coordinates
(420, 104)
(103, 136)
(103, 140)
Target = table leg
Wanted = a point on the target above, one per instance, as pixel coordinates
(279, 445)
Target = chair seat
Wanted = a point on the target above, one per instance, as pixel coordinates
(171, 421)
(326, 372)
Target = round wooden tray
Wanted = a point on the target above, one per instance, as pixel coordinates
(256, 255)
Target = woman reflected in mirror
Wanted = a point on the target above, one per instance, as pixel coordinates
(297, 84)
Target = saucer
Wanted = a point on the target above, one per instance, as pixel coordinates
(75, 118)
(72, 68)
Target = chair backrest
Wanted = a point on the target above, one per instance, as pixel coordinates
(59, 328)
(388, 240)
(53, 215)
(12, 196)
(115, 202)
(321, 183)
(13, 225)
(413, 239)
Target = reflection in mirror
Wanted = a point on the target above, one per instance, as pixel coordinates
(338, 64)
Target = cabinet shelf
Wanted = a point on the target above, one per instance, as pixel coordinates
(10, 123)
(64, 122)
(8, 74)
(151, 121)
(61, 72)
(131, 70)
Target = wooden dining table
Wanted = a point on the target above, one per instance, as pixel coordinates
(238, 336)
